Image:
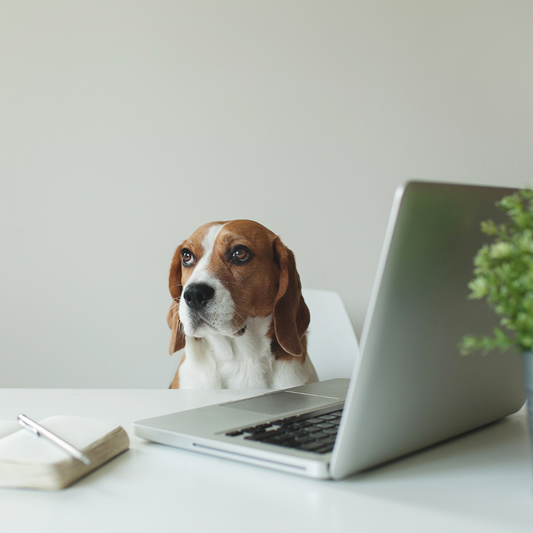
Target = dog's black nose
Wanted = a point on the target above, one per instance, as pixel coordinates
(198, 295)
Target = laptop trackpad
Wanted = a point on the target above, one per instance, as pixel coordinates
(281, 402)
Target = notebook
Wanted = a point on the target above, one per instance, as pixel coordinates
(410, 388)
(29, 461)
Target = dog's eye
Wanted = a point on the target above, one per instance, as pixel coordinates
(241, 254)
(186, 257)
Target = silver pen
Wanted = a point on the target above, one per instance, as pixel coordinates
(36, 428)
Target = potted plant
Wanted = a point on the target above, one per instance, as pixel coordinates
(504, 276)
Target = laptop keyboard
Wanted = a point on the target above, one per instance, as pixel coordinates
(308, 432)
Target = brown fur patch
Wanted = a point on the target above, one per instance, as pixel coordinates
(176, 381)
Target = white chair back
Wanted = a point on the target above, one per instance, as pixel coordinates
(332, 343)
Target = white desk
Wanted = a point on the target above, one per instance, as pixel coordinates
(479, 482)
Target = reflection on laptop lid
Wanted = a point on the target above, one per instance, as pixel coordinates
(410, 388)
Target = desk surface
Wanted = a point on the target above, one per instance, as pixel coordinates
(479, 482)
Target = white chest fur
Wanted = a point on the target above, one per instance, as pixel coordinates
(217, 361)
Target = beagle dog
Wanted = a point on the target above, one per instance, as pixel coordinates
(238, 310)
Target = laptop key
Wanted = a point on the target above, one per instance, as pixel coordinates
(278, 439)
(263, 435)
(325, 449)
(297, 425)
(304, 438)
(312, 429)
(290, 420)
(234, 433)
(311, 446)
(256, 429)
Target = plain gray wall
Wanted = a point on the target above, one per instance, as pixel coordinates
(124, 125)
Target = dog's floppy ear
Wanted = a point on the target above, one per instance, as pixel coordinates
(177, 338)
(291, 315)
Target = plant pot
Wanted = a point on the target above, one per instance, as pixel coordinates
(527, 366)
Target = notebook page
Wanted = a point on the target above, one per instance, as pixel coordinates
(25, 447)
(8, 427)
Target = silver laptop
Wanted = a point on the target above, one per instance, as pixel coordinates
(410, 388)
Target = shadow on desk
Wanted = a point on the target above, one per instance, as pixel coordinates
(504, 442)
(487, 472)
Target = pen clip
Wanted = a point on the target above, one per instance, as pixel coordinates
(41, 431)
(24, 424)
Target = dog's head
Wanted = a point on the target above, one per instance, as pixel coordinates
(228, 272)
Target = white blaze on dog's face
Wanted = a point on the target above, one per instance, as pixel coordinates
(228, 274)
